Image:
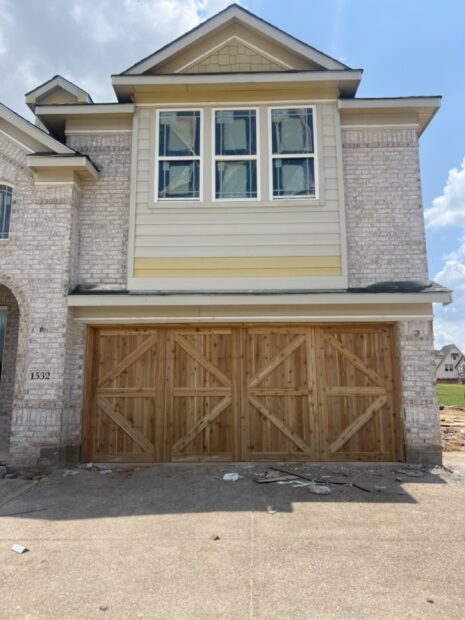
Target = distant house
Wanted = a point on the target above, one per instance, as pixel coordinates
(450, 364)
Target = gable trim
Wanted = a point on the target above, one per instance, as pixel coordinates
(256, 49)
(234, 12)
(55, 83)
(16, 141)
(34, 132)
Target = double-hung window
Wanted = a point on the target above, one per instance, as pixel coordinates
(235, 155)
(179, 166)
(292, 152)
(5, 210)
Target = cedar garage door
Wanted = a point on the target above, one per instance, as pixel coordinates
(241, 393)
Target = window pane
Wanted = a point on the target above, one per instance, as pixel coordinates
(236, 179)
(179, 134)
(5, 210)
(2, 336)
(235, 132)
(293, 177)
(292, 131)
(178, 179)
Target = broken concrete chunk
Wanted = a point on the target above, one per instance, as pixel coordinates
(19, 548)
(319, 489)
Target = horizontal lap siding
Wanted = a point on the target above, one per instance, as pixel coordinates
(263, 229)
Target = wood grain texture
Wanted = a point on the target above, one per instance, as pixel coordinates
(237, 392)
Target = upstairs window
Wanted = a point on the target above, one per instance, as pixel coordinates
(292, 153)
(235, 150)
(179, 140)
(5, 210)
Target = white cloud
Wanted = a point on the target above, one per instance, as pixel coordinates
(86, 40)
(448, 211)
(449, 208)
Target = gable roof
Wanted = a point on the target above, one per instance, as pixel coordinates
(29, 136)
(57, 82)
(234, 12)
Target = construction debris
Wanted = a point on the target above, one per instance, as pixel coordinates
(70, 472)
(19, 548)
(413, 473)
(231, 477)
(319, 489)
(106, 472)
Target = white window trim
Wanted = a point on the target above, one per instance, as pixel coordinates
(313, 155)
(216, 158)
(6, 239)
(158, 159)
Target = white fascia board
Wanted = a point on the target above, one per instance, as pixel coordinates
(222, 18)
(238, 78)
(22, 124)
(259, 300)
(84, 109)
(388, 103)
(79, 163)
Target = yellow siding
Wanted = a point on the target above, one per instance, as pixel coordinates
(237, 266)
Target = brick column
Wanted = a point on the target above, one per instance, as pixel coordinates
(419, 405)
(47, 399)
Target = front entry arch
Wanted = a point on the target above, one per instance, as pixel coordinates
(9, 332)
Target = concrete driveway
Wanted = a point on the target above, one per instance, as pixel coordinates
(178, 542)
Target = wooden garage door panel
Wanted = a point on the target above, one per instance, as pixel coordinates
(358, 428)
(125, 429)
(202, 403)
(357, 387)
(126, 411)
(278, 395)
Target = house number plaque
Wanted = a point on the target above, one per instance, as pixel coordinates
(40, 375)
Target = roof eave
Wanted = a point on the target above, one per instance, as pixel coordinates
(348, 80)
(425, 106)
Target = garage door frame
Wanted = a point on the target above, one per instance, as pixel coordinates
(241, 451)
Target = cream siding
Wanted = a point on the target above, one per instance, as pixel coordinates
(251, 229)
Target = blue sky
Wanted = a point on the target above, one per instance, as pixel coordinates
(406, 47)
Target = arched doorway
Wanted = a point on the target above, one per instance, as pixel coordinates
(9, 330)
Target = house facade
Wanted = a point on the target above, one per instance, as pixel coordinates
(450, 364)
(228, 263)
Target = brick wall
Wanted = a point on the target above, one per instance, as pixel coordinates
(104, 210)
(384, 214)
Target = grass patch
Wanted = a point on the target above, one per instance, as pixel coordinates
(451, 395)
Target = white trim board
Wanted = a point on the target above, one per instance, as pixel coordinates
(298, 299)
(242, 41)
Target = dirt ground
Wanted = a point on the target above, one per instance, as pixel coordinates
(453, 429)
